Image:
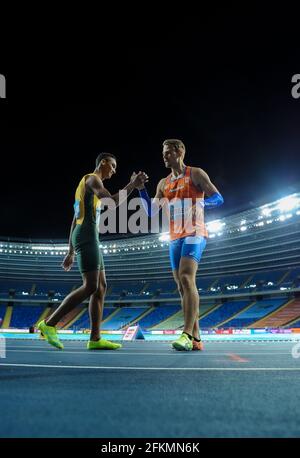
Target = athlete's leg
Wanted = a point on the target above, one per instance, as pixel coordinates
(96, 312)
(192, 249)
(96, 306)
(76, 297)
(175, 248)
(196, 331)
(187, 277)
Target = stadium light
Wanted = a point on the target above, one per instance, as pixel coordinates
(215, 226)
(266, 212)
(288, 203)
(243, 228)
(55, 247)
(165, 237)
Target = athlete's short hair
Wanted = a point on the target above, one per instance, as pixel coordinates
(175, 143)
(104, 156)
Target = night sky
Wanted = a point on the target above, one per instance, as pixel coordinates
(220, 81)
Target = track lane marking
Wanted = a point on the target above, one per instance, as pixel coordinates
(226, 369)
(236, 358)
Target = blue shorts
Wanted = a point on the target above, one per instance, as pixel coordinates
(189, 247)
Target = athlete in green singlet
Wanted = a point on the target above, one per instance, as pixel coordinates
(84, 241)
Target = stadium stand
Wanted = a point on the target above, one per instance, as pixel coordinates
(249, 275)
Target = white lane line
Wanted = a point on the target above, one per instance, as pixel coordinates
(102, 352)
(135, 345)
(146, 351)
(171, 353)
(50, 366)
(157, 342)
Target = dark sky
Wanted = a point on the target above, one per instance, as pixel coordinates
(218, 80)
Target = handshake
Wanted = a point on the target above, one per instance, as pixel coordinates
(138, 180)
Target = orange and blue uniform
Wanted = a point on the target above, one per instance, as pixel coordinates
(188, 232)
(186, 206)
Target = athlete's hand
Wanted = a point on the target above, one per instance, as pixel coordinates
(139, 180)
(68, 261)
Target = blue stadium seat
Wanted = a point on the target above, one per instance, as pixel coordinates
(223, 313)
(255, 313)
(84, 321)
(159, 314)
(24, 316)
(2, 311)
(123, 317)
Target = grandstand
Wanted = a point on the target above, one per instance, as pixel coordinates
(249, 276)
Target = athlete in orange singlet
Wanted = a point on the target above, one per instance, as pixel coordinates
(188, 190)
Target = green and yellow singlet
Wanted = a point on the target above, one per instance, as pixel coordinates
(85, 236)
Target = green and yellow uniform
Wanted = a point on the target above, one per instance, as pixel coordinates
(85, 236)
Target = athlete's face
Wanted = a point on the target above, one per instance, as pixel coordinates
(171, 156)
(109, 168)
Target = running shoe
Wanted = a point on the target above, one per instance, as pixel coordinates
(198, 346)
(102, 344)
(183, 343)
(49, 333)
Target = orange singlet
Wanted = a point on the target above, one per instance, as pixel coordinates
(186, 206)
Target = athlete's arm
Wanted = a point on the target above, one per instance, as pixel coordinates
(160, 189)
(71, 248)
(69, 258)
(96, 185)
(152, 208)
(202, 181)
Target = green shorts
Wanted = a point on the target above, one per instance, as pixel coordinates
(86, 243)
